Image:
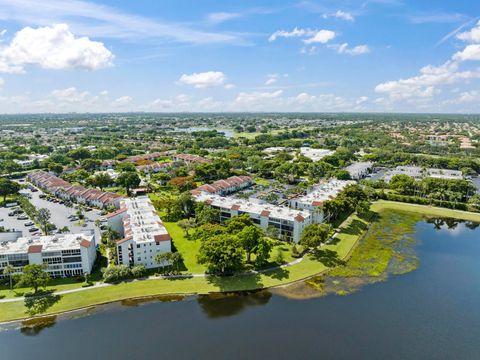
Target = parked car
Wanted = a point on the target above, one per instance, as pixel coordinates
(30, 223)
(34, 190)
(33, 229)
(23, 217)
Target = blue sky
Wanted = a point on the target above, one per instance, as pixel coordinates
(205, 55)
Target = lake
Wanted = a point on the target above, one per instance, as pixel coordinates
(430, 313)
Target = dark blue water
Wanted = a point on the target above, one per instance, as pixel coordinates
(431, 313)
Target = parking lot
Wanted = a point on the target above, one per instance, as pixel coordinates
(59, 215)
(11, 222)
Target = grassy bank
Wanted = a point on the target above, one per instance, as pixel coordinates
(341, 247)
(426, 210)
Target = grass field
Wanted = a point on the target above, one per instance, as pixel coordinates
(341, 247)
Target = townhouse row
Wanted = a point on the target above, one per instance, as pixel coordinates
(142, 232)
(64, 254)
(79, 194)
(226, 186)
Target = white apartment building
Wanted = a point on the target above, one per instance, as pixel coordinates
(313, 200)
(143, 234)
(65, 254)
(315, 154)
(289, 223)
(419, 173)
(359, 170)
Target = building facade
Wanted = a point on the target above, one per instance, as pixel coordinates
(65, 254)
(143, 234)
(289, 223)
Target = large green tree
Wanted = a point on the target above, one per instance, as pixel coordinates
(222, 254)
(314, 235)
(128, 180)
(33, 276)
(8, 187)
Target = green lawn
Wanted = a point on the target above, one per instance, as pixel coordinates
(426, 210)
(187, 247)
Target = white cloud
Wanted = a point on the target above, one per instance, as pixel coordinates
(229, 86)
(473, 35)
(296, 32)
(321, 36)
(343, 15)
(425, 84)
(255, 99)
(469, 96)
(361, 100)
(53, 48)
(471, 52)
(431, 78)
(204, 79)
(271, 79)
(356, 50)
(91, 19)
(71, 95)
(3, 32)
(122, 101)
(219, 17)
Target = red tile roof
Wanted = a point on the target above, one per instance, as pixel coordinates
(35, 249)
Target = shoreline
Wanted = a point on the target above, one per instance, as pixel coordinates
(304, 269)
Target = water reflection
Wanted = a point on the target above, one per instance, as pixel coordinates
(221, 305)
(33, 327)
(149, 299)
(451, 223)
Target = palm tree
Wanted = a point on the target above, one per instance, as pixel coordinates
(9, 270)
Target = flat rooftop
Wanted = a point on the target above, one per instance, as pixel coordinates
(323, 192)
(142, 221)
(56, 242)
(252, 206)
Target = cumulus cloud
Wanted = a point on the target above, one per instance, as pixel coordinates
(431, 78)
(471, 52)
(256, 98)
(71, 95)
(53, 47)
(361, 100)
(122, 101)
(321, 36)
(204, 79)
(343, 15)
(473, 35)
(425, 84)
(356, 50)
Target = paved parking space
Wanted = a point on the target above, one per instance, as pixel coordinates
(11, 222)
(60, 213)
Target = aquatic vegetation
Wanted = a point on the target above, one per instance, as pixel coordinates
(387, 248)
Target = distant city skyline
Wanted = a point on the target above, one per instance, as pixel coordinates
(220, 56)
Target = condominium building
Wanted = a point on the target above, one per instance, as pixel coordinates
(359, 170)
(65, 254)
(419, 173)
(313, 199)
(289, 223)
(315, 154)
(226, 186)
(143, 234)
